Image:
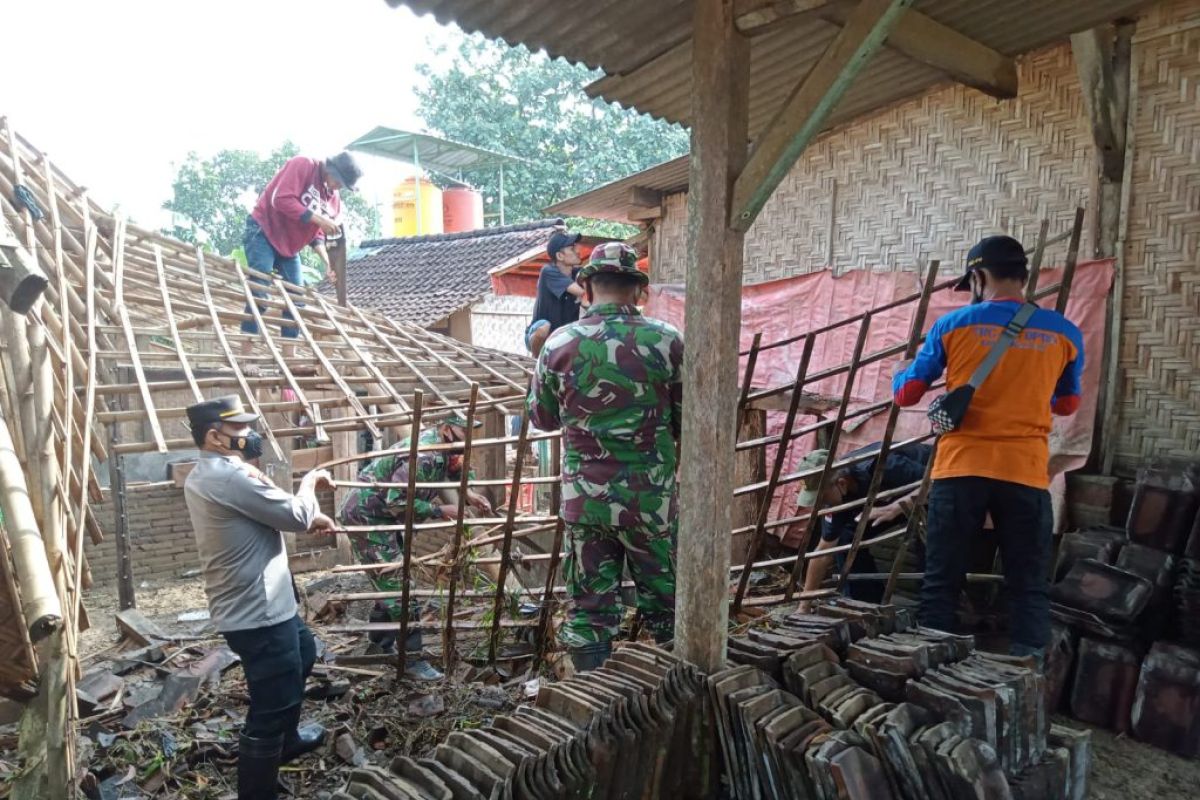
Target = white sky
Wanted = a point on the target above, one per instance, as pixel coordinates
(117, 92)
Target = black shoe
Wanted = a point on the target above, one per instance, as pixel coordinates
(258, 767)
(590, 656)
(303, 740)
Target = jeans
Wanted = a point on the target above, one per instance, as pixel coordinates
(262, 257)
(277, 661)
(1023, 520)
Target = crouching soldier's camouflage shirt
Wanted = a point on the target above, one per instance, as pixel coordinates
(371, 506)
(611, 381)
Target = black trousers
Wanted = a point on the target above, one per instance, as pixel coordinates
(1024, 521)
(277, 661)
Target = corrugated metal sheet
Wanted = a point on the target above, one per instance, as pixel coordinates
(644, 45)
(611, 201)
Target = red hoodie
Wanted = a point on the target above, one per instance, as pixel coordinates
(285, 208)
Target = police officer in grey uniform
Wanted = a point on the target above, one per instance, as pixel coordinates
(238, 516)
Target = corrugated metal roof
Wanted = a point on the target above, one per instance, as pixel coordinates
(619, 36)
(611, 201)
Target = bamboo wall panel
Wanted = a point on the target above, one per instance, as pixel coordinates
(1159, 402)
(923, 180)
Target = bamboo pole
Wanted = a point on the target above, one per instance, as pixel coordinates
(459, 526)
(506, 546)
(406, 565)
(39, 601)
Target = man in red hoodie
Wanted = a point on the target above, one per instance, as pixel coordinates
(299, 207)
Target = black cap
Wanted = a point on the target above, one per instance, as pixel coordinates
(561, 240)
(1003, 256)
(219, 409)
(345, 169)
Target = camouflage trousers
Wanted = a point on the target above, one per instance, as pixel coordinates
(381, 547)
(595, 562)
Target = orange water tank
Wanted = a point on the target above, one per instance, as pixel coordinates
(462, 209)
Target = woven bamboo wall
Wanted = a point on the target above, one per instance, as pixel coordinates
(924, 179)
(1160, 343)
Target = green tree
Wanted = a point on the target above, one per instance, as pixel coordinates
(525, 104)
(216, 194)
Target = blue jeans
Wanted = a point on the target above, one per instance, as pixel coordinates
(1024, 521)
(262, 257)
(277, 661)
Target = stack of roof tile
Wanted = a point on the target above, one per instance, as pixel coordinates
(884, 710)
(626, 730)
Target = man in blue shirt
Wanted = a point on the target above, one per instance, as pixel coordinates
(558, 295)
(904, 466)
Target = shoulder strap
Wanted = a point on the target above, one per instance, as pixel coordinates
(1010, 333)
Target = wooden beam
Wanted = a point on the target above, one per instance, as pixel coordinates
(945, 49)
(644, 198)
(720, 120)
(1103, 100)
(756, 17)
(809, 106)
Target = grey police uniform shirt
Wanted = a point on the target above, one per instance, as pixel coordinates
(237, 518)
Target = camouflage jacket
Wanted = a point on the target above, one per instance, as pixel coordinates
(611, 381)
(369, 506)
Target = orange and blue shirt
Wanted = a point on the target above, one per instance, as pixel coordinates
(1005, 433)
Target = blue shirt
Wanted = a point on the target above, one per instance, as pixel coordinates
(555, 303)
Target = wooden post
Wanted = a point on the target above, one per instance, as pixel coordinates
(720, 90)
(337, 262)
(116, 491)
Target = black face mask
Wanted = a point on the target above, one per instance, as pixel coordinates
(250, 445)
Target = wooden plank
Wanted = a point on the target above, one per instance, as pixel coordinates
(764, 506)
(835, 435)
(1035, 263)
(756, 17)
(939, 46)
(369, 363)
(720, 113)
(223, 342)
(644, 198)
(805, 112)
(131, 340)
(314, 412)
(169, 314)
(328, 366)
(889, 430)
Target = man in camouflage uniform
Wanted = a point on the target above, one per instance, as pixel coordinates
(386, 506)
(611, 382)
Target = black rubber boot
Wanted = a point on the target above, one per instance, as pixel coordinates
(590, 656)
(258, 767)
(300, 739)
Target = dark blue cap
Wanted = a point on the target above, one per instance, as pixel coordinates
(1003, 256)
(561, 240)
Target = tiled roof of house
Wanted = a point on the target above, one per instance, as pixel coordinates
(424, 279)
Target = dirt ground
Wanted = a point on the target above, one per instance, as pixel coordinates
(1122, 769)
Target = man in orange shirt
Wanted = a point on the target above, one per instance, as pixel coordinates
(997, 460)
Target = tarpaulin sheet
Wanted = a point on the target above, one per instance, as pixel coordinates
(786, 308)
